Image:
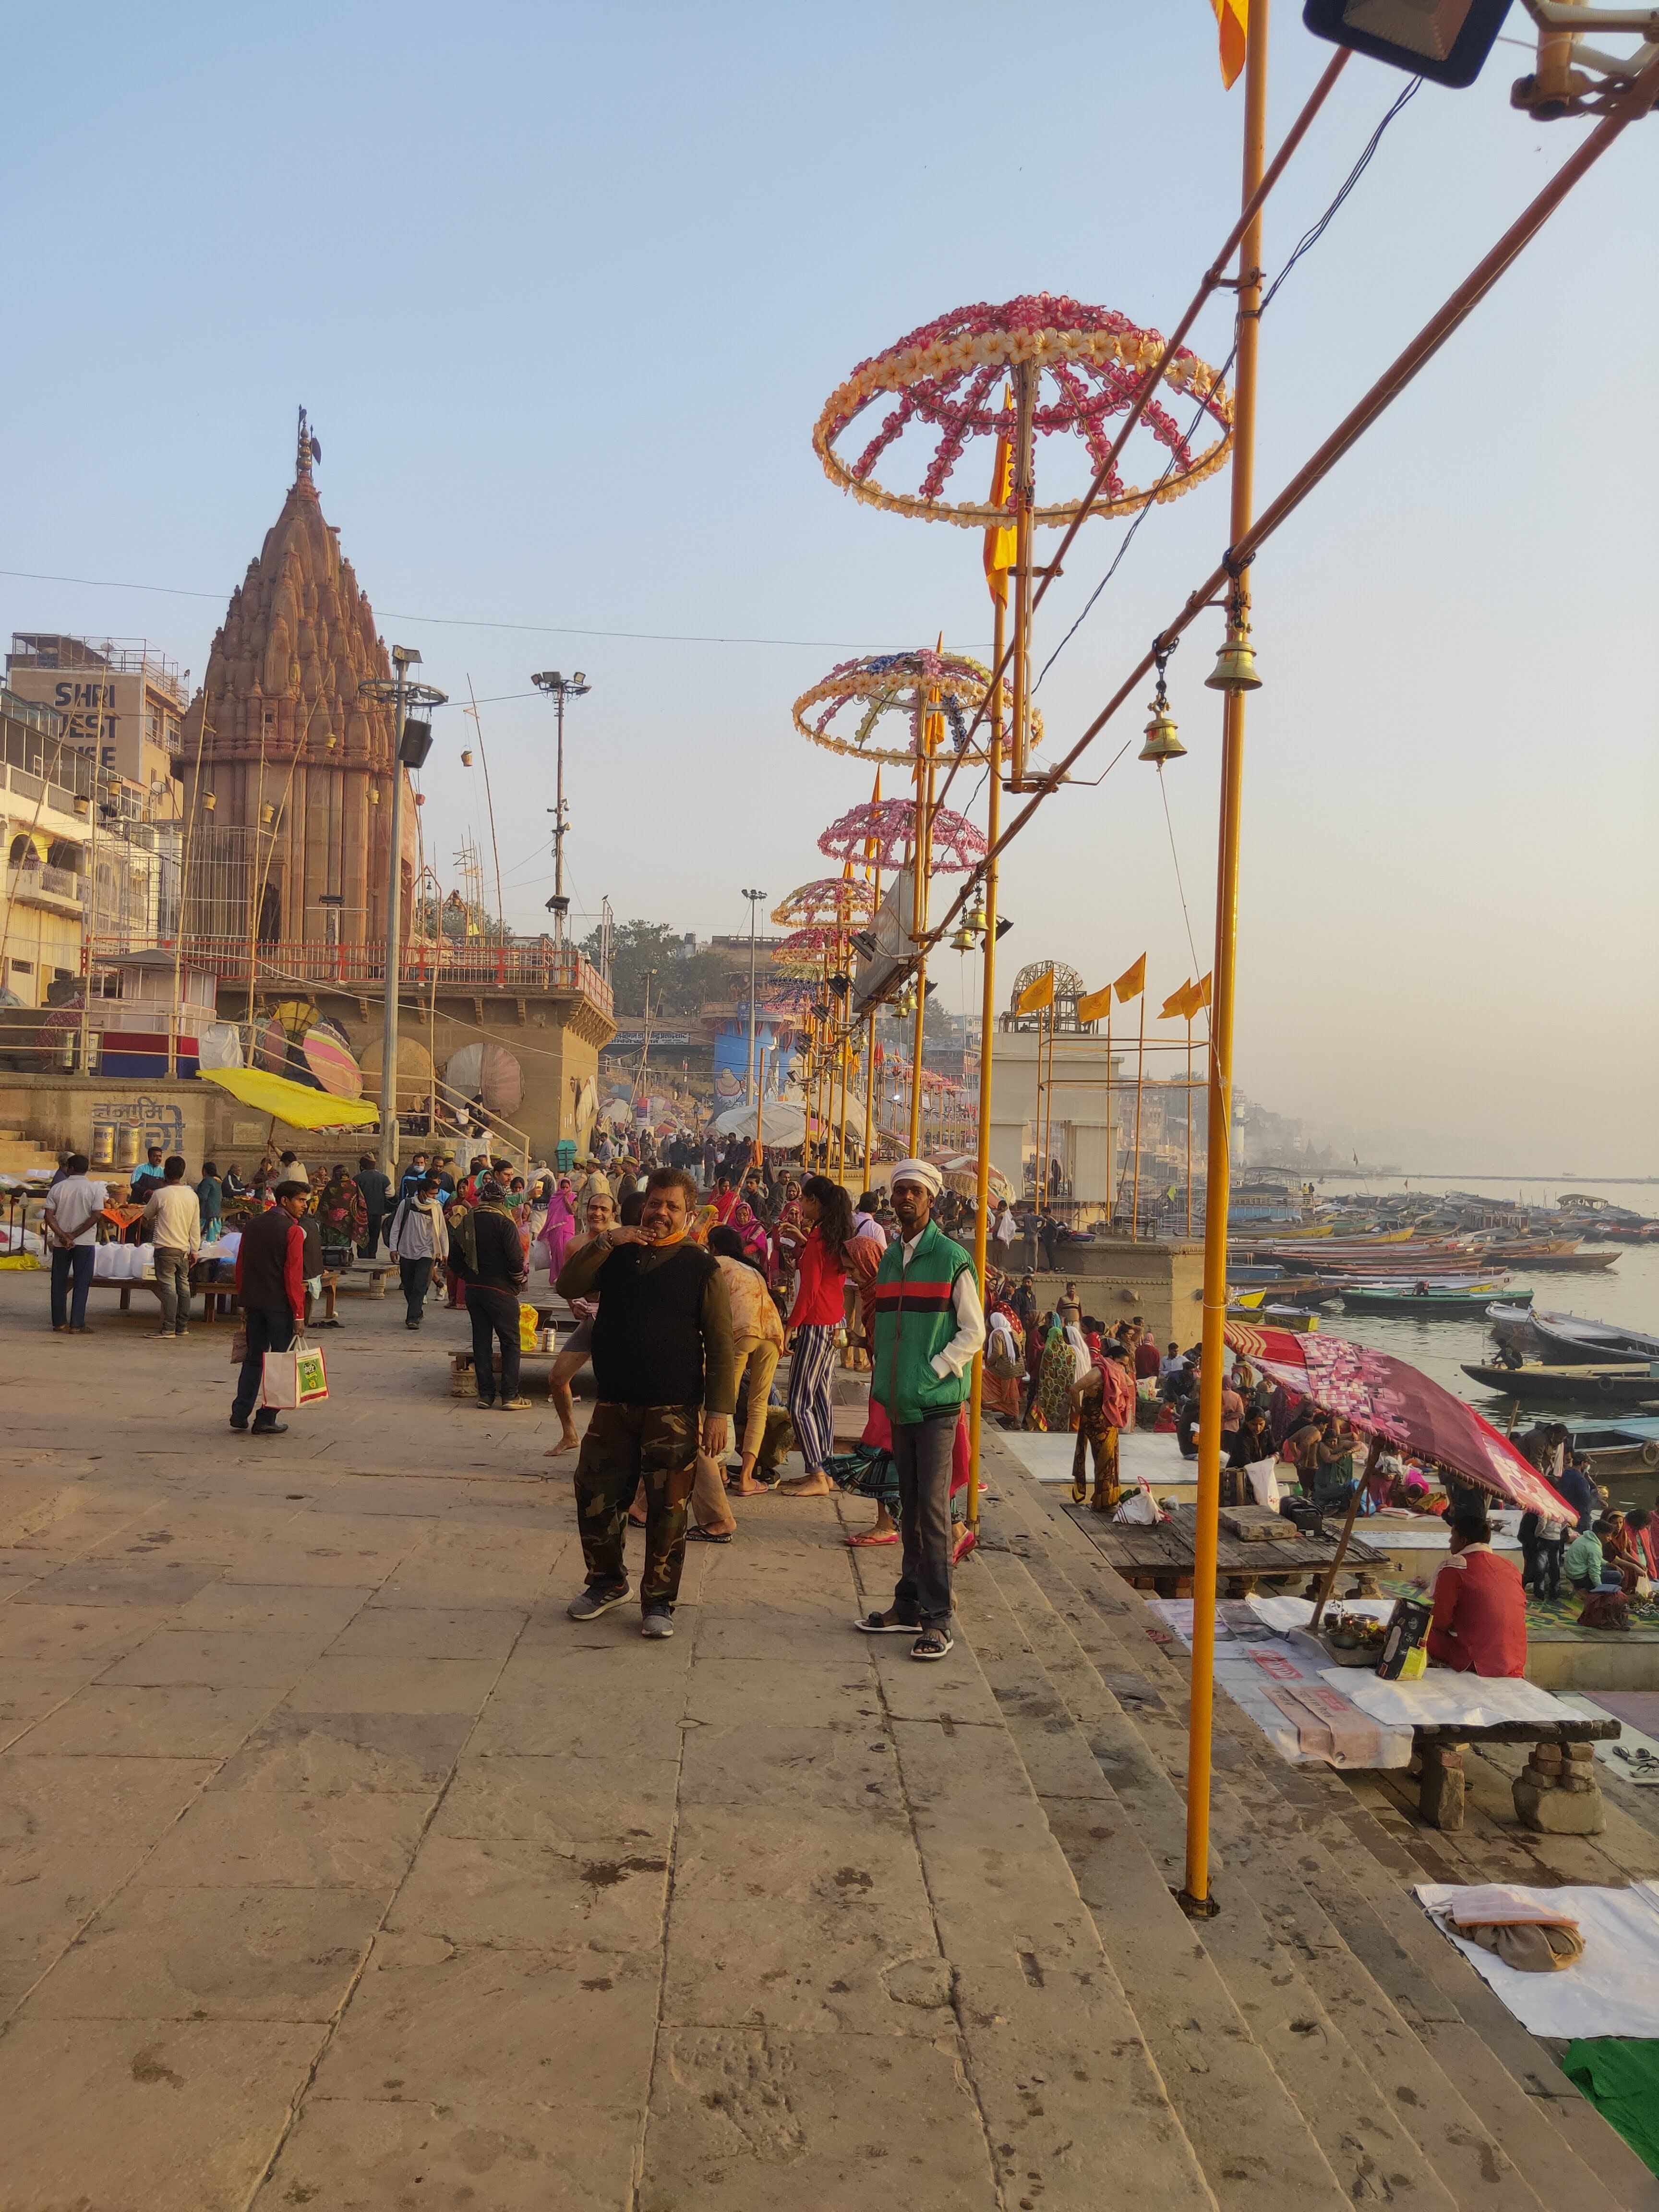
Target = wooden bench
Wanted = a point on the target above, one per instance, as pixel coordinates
(1570, 1805)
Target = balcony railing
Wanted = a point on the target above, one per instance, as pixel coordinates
(56, 883)
(518, 967)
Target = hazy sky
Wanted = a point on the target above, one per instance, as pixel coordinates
(565, 288)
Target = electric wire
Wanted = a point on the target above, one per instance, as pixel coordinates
(1304, 245)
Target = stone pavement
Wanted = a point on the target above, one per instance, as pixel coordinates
(340, 1868)
(337, 1867)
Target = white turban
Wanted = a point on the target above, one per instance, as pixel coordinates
(921, 1172)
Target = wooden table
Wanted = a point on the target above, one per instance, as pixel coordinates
(1163, 1555)
(1439, 1746)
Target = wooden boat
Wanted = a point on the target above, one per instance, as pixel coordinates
(1628, 1447)
(1625, 1383)
(1564, 1337)
(1430, 1304)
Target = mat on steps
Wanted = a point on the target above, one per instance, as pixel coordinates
(1621, 2080)
(1613, 1989)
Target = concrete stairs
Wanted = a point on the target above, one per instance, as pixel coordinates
(18, 1153)
(1319, 2041)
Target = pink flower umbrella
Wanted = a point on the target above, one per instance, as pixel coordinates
(846, 712)
(831, 903)
(946, 381)
(880, 830)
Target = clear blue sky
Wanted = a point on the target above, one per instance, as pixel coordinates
(564, 289)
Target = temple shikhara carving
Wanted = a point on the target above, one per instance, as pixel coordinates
(288, 771)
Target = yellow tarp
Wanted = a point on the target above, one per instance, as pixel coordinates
(293, 1102)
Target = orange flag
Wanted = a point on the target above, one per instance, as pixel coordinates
(1036, 995)
(1091, 1007)
(1133, 981)
(1176, 1006)
(1233, 22)
(999, 554)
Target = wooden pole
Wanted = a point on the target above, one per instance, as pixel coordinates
(1372, 1450)
(988, 1015)
(1189, 1128)
(1111, 1150)
(1195, 1896)
(1141, 1079)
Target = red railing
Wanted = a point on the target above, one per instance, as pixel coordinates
(482, 967)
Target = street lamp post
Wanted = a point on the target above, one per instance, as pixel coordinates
(560, 687)
(754, 899)
(411, 742)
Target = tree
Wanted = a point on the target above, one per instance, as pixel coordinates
(684, 978)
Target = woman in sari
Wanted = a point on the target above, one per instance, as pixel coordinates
(561, 1224)
(789, 1237)
(1004, 1361)
(341, 1217)
(870, 1470)
(750, 1233)
(1051, 1406)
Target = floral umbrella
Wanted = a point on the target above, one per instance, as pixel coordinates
(831, 900)
(1388, 1397)
(947, 381)
(910, 685)
(881, 828)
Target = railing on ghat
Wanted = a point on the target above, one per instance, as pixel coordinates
(485, 968)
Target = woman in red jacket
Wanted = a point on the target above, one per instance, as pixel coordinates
(819, 1313)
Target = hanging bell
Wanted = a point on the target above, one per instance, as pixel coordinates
(1163, 739)
(1235, 664)
(964, 940)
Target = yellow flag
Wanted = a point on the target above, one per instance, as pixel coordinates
(1036, 995)
(1095, 1004)
(1175, 1006)
(1233, 22)
(999, 543)
(1133, 981)
(1203, 991)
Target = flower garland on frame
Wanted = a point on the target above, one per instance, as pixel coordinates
(947, 376)
(913, 684)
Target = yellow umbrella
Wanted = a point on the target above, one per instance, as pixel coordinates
(293, 1102)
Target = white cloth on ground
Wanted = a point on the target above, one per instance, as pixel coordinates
(1613, 1989)
(1441, 1698)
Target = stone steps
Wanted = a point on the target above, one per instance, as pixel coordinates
(1347, 1992)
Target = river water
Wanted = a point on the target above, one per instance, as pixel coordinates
(1626, 1293)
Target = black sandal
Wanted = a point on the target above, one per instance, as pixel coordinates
(708, 1536)
(932, 1643)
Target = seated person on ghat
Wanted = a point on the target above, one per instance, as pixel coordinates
(1480, 1625)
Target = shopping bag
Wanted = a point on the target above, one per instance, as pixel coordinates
(297, 1377)
(529, 1321)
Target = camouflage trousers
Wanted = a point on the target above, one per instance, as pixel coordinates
(626, 1445)
(1096, 1435)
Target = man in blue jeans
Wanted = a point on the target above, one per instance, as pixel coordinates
(73, 1206)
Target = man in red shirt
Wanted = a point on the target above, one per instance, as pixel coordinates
(1147, 1362)
(1480, 1625)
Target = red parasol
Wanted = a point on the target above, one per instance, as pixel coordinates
(1388, 1398)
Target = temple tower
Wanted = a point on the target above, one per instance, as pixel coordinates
(287, 771)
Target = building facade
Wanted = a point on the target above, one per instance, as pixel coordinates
(121, 700)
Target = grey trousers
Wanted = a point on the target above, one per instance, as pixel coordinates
(173, 1281)
(921, 1453)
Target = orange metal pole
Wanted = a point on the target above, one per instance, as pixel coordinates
(1201, 1705)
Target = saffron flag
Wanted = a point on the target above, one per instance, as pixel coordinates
(1233, 22)
(1203, 991)
(1036, 995)
(1094, 1004)
(1177, 1005)
(1133, 981)
(999, 543)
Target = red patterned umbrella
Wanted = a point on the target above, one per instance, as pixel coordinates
(1387, 1397)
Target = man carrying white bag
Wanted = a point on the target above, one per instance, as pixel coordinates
(271, 1284)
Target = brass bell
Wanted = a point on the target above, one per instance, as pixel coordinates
(1235, 664)
(964, 940)
(1163, 740)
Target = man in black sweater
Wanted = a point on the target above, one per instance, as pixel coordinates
(376, 1189)
(271, 1284)
(663, 1367)
(488, 1253)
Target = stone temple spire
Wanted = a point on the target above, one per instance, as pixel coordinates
(295, 763)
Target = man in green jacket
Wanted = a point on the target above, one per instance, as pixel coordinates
(928, 1326)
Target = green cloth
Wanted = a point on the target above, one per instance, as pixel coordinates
(1619, 2075)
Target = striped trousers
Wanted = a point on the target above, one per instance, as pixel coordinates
(811, 1373)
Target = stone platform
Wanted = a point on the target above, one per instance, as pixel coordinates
(337, 1867)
